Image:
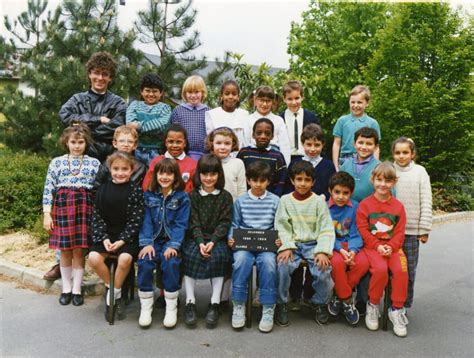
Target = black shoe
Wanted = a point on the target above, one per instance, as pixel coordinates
(322, 315)
(65, 298)
(281, 317)
(120, 306)
(77, 300)
(361, 307)
(212, 316)
(190, 318)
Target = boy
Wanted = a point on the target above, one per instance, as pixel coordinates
(360, 167)
(347, 125)
(254, 210)
(306, 232)
(150, 118)
(349, 264)
(381, 222)
(263, 134)
(296, 117)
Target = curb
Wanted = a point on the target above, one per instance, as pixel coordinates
(453, 217)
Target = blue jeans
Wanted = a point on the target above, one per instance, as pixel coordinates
(170, 269)
(146, 155)
(266, 273)
(322, 281)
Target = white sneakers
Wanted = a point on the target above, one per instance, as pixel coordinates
(238, 315)
(399, 321)
(372, 317)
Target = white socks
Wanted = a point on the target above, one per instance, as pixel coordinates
(66, 278)
(216, 283)
(77, 274)
(189, 285)
(117, 295)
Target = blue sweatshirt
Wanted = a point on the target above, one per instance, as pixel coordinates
(344, 220)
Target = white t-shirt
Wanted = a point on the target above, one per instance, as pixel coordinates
(217, 117)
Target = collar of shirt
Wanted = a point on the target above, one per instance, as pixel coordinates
(197, 108)
(331, 203)
(363, 118)
(314, 161)
(180, 157)
(254, 197)
(202, 192)
(290, 114)
(266, 148)
(365, 161)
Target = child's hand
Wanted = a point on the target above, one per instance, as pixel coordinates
(423, 238)
(285, 256)
(351, 260)
(117, 245)
(388, 250)
(345, 254)
(104, 120)
(278, 243)
(209, 247)
(147, 250)
(202, 250)
(230, 242)
(322, 261)
(169, 253)
(48, 223)
(107, 245)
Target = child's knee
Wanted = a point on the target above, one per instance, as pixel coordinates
(95, 259)
(125, 260)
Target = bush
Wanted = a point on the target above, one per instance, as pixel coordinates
(455, 195)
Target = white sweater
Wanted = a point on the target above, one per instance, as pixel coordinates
(234, 173)
(414, 191)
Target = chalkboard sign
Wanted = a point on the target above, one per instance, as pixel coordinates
(255, 240)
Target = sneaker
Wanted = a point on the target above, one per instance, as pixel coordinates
(53, 274)
(322, 315)
(372, 317)
(281, 317)
(238, 315)
(190, 318)
(334, 306)
(266, 323)
(399, 321)
(294, 305)
(212, 316)
(361, 308)
(350, 312)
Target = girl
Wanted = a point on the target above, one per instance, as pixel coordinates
(414, 191)
(166, 220)
(191, 115)
(116, 221)
(205, 252)
(67, 208)
(176, 142)
(264, 98)
(228, 114)
(222, 142)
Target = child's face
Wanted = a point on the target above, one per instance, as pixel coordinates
(258, 186)
(358, 104)
(340, 194)
(151, 96)
(383, 186)
(194, 98)
(263, 134)
(312, 147)
(125, 143)
(222, 146)
(208, 181)
(100, 79)
(230, 98)
(402, 154)
(165, 181)
(76, 145)
(121, 171)
(293, 100)
(175, 143)
(263, 105)
(302, 183)
(365, 147)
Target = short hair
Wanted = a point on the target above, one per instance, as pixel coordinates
(302, 166)
(102, 60)
(293, 85)
(367, 132)
(194, 83)
(209, 163)
(404, 140)
(229, 83)
(361, 89)
(167, 165)
(175, 127)
(263, 120)
(77, 130)
(265, 92)
(152, 80)
(385, 169)
(259, 169)
(125, 129)
(118, 155)
(223, 131)
(312, 131)
(342, 179)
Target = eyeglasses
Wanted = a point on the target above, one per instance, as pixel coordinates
(125, 141)
(104, 74)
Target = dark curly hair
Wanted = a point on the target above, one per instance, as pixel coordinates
(102, 60)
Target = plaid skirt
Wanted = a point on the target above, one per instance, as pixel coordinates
(197, 267)
(72, 212)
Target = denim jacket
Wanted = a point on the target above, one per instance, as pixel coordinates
(170, 213)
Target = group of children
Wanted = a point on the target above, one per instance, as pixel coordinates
(213, 171)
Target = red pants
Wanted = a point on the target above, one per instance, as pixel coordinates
(345, 281)
(379, 266)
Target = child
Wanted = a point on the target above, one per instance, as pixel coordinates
(414, 191)
(206, 255)
(306, 232)
(67, 208)
(116, 221)
(167, 209)
(222, 142)
(263, 100)
(381, 222)
(150, 117)
(349, 263)
(125, 140)
(228, 114)
(296, 117)
(263, 133)
(176, 142)
(360, 167)
(192, 114)
(346, 126)
(254, 210)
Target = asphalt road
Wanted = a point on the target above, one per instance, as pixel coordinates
(441, 321)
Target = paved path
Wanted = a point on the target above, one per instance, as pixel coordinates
(441, 323)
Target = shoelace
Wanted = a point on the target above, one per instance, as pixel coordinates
(267, 311)
(402, 318)
(373, 313)
(239, 310)
(349, 308)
